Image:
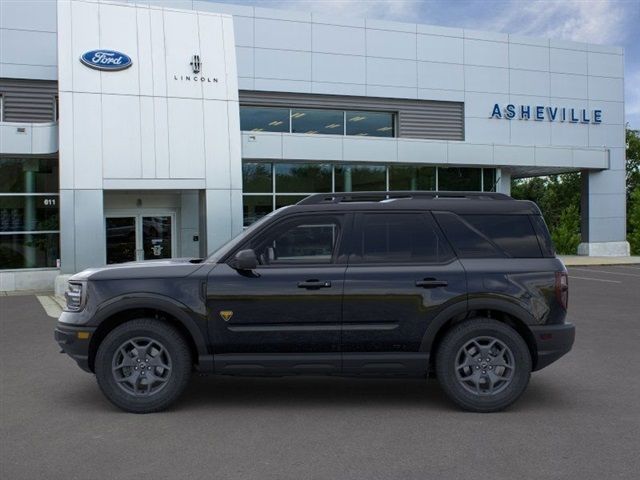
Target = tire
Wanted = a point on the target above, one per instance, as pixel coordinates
(143, 365)
(485, 385)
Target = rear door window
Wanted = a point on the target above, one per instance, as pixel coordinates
(467, 241)
(399, 238)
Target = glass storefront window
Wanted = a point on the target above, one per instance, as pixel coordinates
(489, 179)
(284, 200)
(257, 178)
(28, 213)
(317, 121)
(360, 178)
(407, 177)
(459, 179)
(255, 207)
(264, 119)
(303, 177)
(28, 175)
(372, 124)
(31, 250)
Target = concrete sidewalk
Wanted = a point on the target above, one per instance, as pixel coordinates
(578, 260)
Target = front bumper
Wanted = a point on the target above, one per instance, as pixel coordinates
(552, 342)
(74, 341)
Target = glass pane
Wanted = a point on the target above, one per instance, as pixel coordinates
(284, 200)
(412, 178)
(489, 179)
(31, 250)
(121, 239)
(257, 178)
(361, 178)
(306, 177)
(255, 207)
(303, 241)
(457, 179)
(372, 124)
(317, 121)
(264, 119)
(156, 237)
(28, 175)
(401, 237)
(514, 234)
(467, 242)
(28, 213)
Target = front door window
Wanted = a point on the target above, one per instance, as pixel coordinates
(139, 237)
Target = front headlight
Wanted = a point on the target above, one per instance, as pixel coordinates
(75, 296)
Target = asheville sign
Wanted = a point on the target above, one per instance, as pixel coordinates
(552, 114)
(108, 60)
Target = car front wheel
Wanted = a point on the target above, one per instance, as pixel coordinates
(143, 365)
(483, 365)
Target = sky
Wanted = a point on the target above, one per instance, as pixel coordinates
(608, 22)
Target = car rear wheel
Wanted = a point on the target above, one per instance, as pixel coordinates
(483, 365)
(143, 365)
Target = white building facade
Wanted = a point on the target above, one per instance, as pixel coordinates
(145, 130)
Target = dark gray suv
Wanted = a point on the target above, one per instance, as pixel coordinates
(457, 285)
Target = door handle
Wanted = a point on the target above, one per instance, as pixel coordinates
(314, 284)
(431, 283)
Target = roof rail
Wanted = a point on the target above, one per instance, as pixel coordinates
(319, 198)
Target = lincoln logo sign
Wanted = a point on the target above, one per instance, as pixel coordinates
(551, 114)
(108, 60)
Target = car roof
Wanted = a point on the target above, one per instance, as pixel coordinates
(456, 202)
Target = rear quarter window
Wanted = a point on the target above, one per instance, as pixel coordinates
(513, 234)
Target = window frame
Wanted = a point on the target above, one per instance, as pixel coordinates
(356, 260)
(339, 256)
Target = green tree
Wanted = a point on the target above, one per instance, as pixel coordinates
(633, 221)
(566, 234)
(633, 161)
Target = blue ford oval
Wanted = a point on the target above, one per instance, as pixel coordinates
(109, 60)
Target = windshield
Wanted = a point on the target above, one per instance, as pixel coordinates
(235, 241)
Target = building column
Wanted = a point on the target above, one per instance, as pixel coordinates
(603, 212)
(223, 216)
(82, 230)
(503, 181)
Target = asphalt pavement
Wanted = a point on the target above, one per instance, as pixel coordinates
(580, 417)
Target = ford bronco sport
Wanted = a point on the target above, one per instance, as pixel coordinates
(457, 285)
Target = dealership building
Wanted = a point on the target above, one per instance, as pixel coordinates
(147, 130)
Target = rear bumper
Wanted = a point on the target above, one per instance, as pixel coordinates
(74, 341)
(552, 342)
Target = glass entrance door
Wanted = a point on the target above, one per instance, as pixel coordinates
(121, 239)
(139, 237)
(156, 237)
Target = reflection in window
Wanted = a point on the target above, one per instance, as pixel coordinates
(31, 250)
(28, 213)
(459, 179)
(317, 121)
(256, 178)
(309, 241)
(401, 237)
(303, 177)
(372, 124)
(264, 119)
(254, 207)
(489, 179)
(284, 200)
(28, 175)
(359, 178)
(406, 177)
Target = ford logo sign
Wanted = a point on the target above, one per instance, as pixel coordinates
(108, 60)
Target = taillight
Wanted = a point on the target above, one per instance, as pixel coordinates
(562, 289)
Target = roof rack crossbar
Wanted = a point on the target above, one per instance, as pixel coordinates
(319, 198)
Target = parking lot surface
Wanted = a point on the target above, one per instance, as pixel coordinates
(580, 417)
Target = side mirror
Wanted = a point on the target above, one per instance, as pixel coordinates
(245, 260)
